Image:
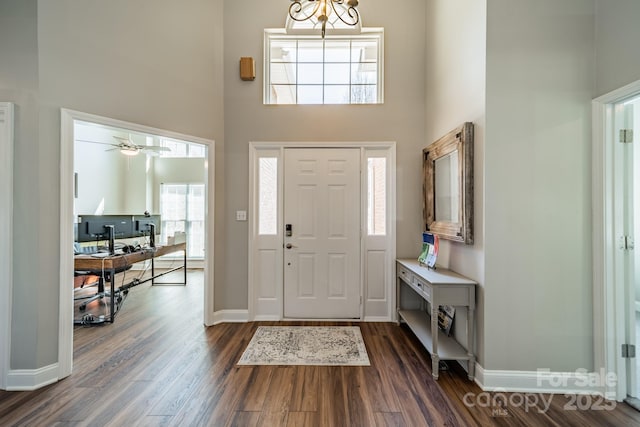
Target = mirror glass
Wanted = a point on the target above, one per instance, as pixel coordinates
(448, 185)
(447, 188)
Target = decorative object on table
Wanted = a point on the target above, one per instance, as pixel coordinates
(445, 318)
(429, 253)
(306, 345)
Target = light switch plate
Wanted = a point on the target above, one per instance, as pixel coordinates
(241, 215)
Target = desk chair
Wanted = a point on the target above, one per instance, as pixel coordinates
(96, 278)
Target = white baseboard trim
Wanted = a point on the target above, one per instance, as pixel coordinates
(236, 316)
(166, 264)
(373, 319)
(230, 316)
(32, 379)
(267, 318)
(542, 381)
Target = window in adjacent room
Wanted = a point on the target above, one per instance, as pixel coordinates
(339, 69)
(182, 149)
(182, 209)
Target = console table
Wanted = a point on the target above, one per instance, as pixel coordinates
(437, 287)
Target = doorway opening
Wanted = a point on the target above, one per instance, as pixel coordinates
(616, 202)
(131, 184)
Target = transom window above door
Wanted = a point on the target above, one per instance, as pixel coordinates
(341, 69)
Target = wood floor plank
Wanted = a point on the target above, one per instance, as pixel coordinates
(278, 397)
(358, 402)
(331, 406)
(259, 386)
(389, 419)
(157, 365)
(303, 419)
(304, 397)
(244, 419)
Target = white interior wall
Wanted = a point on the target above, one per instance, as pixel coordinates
(99, 173)
(538, 272)
(455, 93)
(617, 52)
(400, 119)
(33, 337)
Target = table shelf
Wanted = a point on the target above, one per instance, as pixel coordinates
(420, 324)
(438, 288)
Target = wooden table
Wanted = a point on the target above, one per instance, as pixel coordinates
(119, 262)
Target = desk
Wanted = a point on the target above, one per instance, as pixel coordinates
(119, 262)
(437, 287)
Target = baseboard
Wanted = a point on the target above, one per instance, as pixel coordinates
(373, 319)
(267, 318)
(161, 264)
(230, 316)
(541, 381)
(31, 379)
(237, 316)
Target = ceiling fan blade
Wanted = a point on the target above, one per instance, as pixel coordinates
(123, 140)
(96, 142)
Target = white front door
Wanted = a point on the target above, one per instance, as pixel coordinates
(322, 215)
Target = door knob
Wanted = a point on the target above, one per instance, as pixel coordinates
(289, 246)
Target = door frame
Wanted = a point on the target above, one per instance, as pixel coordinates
(67, 119)
(6, 243)
(609, 324)
(382, 306)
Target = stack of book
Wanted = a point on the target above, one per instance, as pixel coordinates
(429, 252)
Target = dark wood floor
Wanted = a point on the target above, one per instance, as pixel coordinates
(158, 366)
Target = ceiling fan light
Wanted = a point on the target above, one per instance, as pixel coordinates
(129, 151)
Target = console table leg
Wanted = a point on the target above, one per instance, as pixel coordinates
(470, 342)
(435, 358)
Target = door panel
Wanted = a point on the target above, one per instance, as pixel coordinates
(322, 256)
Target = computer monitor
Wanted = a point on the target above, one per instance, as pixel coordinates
(94, 228)
(147, 225)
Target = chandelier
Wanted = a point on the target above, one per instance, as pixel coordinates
(321, 9)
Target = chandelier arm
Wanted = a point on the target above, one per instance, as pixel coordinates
(351, 11)
(296, 8)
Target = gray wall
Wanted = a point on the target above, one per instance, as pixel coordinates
(538, 283)
(617, 47)
(153, 62)
(455, 93)
(33, 337)
(400, 119)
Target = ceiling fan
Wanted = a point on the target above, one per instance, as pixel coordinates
(129, 148)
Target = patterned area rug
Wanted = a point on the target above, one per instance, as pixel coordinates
(306, 345)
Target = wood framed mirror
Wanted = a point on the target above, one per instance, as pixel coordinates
(448, 185)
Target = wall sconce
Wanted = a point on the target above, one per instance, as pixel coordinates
(247, 68)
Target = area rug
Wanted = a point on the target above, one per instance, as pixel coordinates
(306, 345)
